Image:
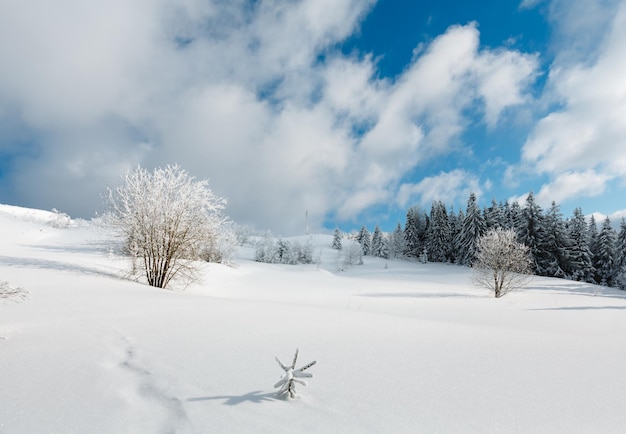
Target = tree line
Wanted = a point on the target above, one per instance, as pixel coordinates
(571, 248)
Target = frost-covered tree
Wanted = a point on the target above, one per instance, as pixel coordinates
(166, 219)
(265, 250)
(351, 254)
(337, 240)
(439, 235)
(501, 262)
(605, 259)
(472, 228)
(283, 251)
(580, 261)
(365, 240)
(396, 242)
(223, 248)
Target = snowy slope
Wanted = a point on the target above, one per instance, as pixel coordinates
(400, 346)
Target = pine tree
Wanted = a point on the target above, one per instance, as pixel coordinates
(337, 239)
(472, 228)
(605, 255)
(580, 256)
(365, 240)
(439, 234)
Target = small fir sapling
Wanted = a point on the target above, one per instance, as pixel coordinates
(292, 376)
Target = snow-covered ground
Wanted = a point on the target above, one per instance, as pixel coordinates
(401, 347)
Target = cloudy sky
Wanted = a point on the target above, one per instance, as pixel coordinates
(348, 110)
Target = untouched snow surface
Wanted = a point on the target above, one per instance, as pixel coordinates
(401, 347)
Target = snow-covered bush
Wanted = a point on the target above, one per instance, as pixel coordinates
(13, 293)
(60, 220)
(242, 233)
(501, 262)
(351, 254)
(223, 247)
(283, 251)
(167, 220)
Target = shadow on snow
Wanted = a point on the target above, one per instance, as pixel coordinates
(256, 397)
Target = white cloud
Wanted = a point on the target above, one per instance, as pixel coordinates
(529, 4)
(572, 184)
(503, 78)
(235, 93)
(586, 135)
(449, 187)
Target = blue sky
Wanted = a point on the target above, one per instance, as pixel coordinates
(349, 111)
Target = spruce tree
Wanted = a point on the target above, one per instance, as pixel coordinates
(377, 247)
(605, 255)
(592, 233)
(415, 232)
(396, 242)
(532, 231)
(365, 240)
(494, 216)
(472, 228)
(514, 218)
(620, 252)
(337, 239)
(439, 237)
(581, 257)
(455, 229)
(556, 245)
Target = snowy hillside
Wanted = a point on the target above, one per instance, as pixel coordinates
(401, 347)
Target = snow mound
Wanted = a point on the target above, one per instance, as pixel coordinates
(52, 218)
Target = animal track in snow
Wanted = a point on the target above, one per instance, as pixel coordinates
(145, 389)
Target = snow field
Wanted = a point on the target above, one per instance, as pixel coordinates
(400, 346)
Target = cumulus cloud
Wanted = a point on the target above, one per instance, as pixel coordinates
(251, 95)
(572, 184)
(449, 187)
(583, 141)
